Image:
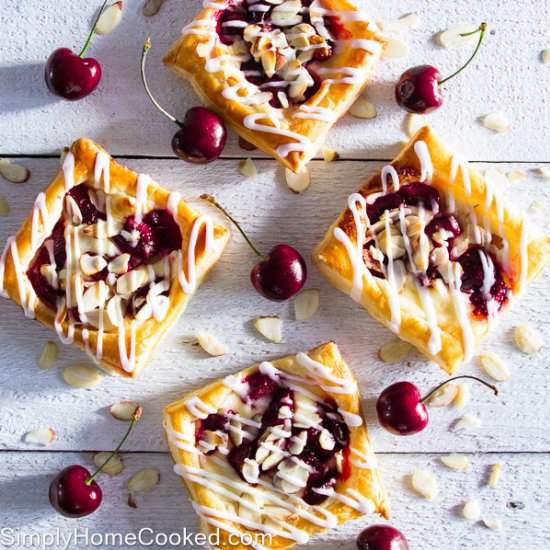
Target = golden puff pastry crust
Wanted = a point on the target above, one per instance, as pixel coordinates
(445, 286)
(291, 129)
(74, 263)
(290, 485)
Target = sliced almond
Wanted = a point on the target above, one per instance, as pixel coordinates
(297, 443)
(495, 475)
(306, 304)
(456, 462)
(4, 206)
(528, 339)
(113, 467)
(48, 357)
(405, 22)
(393, 352)
(128, 283)
(144, 481)
(81, 377)
(297, 182)
(210, 344)
(110, 18)
(247, 168)
(497, 121)
(14, 173)
(124, 410)
(329, 154)
(362, 108)
(269, 327)
(251, 471)
(40, 436)
(413, 123)
(425, 484)
(468, 422)
(545, 55)
(326, 440)
(396, 48)
(462, 397)
(452, 37)
(443, 396)
(250, 512)
(151, 7)
(492, 523)
(91, 265)
(542, 172)
(471, 510)
(94, 296)
(495, 367)
(119, 265)
(278, 513)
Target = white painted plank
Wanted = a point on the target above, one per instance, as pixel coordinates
(24, 506)
(508, 75)
(225, 306)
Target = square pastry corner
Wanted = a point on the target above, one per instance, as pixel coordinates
(279, 450)
(108, 259)
(280, 73)
(431, 249)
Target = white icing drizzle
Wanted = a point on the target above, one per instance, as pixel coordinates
(389, 170)
(371, 46)
(351, 419)
(316, 113)
(426, 166)
(39, 209)
(68, 170)
(189, 282)
(128, 361)
(318, 370)
(102, 167)
(352, 75)
(365, 463)
(393, 295)
(356, 500)
(459, 162)
(238, 386)
(523, 252)
(197, 407)
(142, 184)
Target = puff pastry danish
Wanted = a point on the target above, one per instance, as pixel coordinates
(280, 73)
(108, 258)
(278, 450)
(432, 251)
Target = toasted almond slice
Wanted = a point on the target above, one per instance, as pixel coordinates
(109, 19)
(405, 22)
(396, 48)
(4, 206)
(495, 475)
(413, 123)
(91, 265)
(495, 367)
(248, 169)
(456, 462)
(329, 154)
(468, 422)
(297, 182)
(144, 481)
(362, 108)
(251, 470)
(113, 467)
(306, 304)
(270, 327)
(48, 357)
(151, 7)
(210, 344)
(471, 510)
(542, 172)
(94, 296)
(395, 351)
(452, 37)
(14, 173)
(497, 121)
(462, 397)
(81, 377)
(545, 55)
(124, 410)
(119, 265)
(516, 176)
(492, 523)
(40, 436)
(443, 396)
(528, 339)
(425, 484)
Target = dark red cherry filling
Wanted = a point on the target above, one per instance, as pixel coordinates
(260, 385)
(443, 222)
(90, 213)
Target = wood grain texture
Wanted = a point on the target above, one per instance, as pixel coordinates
(226, 305)
(520, 503)
(507, 75)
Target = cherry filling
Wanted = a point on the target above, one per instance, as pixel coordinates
(238, 15)
(298, 444)
(154, 237)
(481, 276)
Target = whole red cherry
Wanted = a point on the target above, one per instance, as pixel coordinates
(73, 76)
(401, 408)
(381, 537)
(202, 133)
(418, 88)
(280, 274)
(74, 493)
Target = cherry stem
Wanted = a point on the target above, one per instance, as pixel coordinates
(81, 54)
(146, 48)
(135, 417)
(481, 31)
(494, 388)
(213, 201)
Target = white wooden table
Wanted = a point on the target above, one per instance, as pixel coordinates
(508, 75)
